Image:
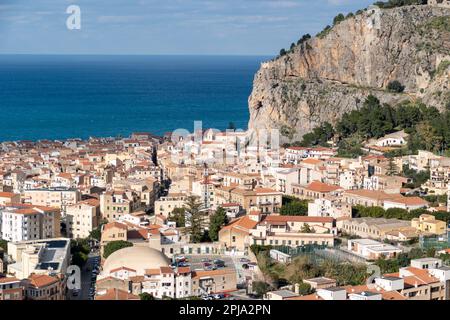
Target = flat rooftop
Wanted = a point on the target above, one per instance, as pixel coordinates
(285, 293)
(321, 280)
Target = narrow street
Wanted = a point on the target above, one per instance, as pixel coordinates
(86, 279)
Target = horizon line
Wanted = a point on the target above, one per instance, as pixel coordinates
(137, 54)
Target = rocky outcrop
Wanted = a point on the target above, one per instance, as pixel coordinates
(326, 76)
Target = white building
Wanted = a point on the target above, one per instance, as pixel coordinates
(372, 250)
(329, 207)
(22, 223)
(396, 139)
(47, 256)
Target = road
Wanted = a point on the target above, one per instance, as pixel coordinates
(86, 279)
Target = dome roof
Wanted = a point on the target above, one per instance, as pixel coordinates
(136, 258)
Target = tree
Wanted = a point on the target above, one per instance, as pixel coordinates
(295, 208)
(217, 221)
(338, 19)
(194, 219)
(260, 288)
(178, 215)
(4, 245)
(79, 259)
(395, 86)
(114, 246)
(307, 229)
(96, 234)
(305, 289)
(282, 52)
(146, 296)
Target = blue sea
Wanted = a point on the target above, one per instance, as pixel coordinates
(59, 97)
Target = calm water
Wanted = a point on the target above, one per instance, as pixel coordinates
(57, 97)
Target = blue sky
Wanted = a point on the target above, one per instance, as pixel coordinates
(244, 27)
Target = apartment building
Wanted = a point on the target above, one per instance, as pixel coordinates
(236, 235)
(165, 205)
(285, 179)
(44, 287)
(8, 198)
(388, 184)
(52, 197)
(204, 190)
(11, 289)
(315, 190)
(23, 222)
(116, 203)
(427, 223)
(213, 281)
(294, 231)
(330, 206)
(265, 199)
(82, 218)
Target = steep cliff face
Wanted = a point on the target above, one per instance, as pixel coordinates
(326, 76)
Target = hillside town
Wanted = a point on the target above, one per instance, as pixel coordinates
(221, 215)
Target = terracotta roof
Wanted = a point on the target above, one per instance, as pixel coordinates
(8, 280)
(26, 211)
(166, 270)
(266, 190)
(243, 224)
(419, 277)
(210, 273)
(311, 161)
(318, 186)
(91, 202)
(7, 194)
(152, 272)
(117, 294)
(409, 201)
(137, 279)
(372, 194)
(114, 224)
(41, 280)
(184, 269)
(277, 218)
(122, 268)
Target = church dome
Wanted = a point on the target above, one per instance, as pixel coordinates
(136, 258)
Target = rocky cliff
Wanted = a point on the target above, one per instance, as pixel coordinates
(321, 79)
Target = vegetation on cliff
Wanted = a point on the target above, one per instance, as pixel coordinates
(428, 129)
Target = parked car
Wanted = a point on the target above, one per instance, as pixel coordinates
(219, 263)
(244, 260)
(184, 264)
